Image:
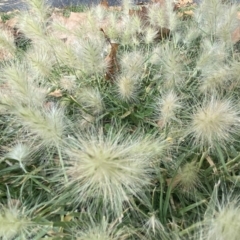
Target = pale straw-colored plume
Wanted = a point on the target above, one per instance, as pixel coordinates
(91, 100)
(108, 169)
(7, 45)
(103, 230)
(127, 87)
(46, 124)
(167, 106)
(214, 122)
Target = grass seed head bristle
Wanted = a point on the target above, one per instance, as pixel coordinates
(188, 177)
(150, 35)
(41, 60)
(38, 8)
(167, 106)
(7, 45)
(127, 88)
(132, 63)
(110, 169)
(89, 52)
(154, 225)
(103, 230)
(22, 84)
(217, 19)
(31, 27)
(214, 122)
(211, 55)
(172, 62)
(20, 152)
(46, 124)
(215, 79)
(222, 220)
(91, 100)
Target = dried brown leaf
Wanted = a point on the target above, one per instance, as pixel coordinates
(57, 93)
(104, 4)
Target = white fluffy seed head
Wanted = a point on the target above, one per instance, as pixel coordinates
(109, 169)
(188, 177)
(162, 15)
(7, 45)
(127, 88)
(22, 85)
(12, 223)
(222, 217)
(89, 53)
(217, 19)
(132, 63)
(20, 152)
(41, 59)
(211, 55)
(172, 63)
(32, 27)
(167, 107)
(214, 122)
(38, 8)
(68, 83)
(102, 230)
(153, 225)
(46, 123)
(215, 79)
(91, 100)
(149, 35)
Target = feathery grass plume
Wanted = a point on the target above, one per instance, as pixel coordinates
(113, 30)
(109, 169)
(7, 45)
(214, 122)
(21, 153)
(66, 55)
(162, 15)
(127, 5)
(20, 83)
(215, 79)
(172, 62)
(222, 217)
(85, 122)
(167, 107)
(103, 230)
(89, 51)
(154, 225)
(191, 34)
(91, 100)
(68, 83)
(16, 222)
(132, 63)
(41, 59)
(38, 8)
(149, 35)
(234, 74)
(212, 54)
(99, 13)
(157, 15)
(130, 27)
(32, 27)
(188, 177)
(216, 19)
(127, 88)
(155, 56)
(48, 124)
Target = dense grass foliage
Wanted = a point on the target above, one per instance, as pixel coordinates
(124, 124)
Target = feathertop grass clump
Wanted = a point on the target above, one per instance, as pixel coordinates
(129, 114)
(214, 123)
(111, 169)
